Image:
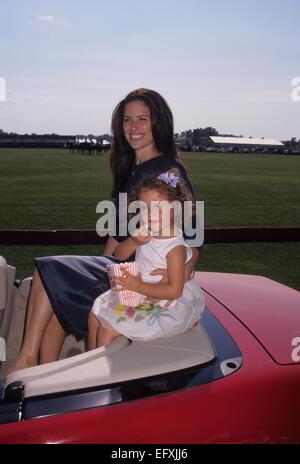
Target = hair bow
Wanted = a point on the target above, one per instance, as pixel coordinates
(169, 179)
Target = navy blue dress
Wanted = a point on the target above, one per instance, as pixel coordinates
(72, 283)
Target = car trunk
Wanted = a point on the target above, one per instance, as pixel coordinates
(270, 310)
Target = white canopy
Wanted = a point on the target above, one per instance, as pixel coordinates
(246, 141)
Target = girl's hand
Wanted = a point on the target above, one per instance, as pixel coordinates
(141, 236)
(128, 281)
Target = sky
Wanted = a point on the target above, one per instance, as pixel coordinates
(226, 64)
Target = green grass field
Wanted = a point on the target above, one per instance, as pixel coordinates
(42, 188)
(278, 261)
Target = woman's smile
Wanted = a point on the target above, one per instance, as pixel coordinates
(136, 137)
(138, 131)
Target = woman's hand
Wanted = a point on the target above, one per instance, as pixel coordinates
(189, 271)
(163, 272)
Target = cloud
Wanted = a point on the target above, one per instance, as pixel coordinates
(50, 19)
(45, 18)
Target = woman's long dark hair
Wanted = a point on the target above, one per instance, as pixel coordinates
(122, 157)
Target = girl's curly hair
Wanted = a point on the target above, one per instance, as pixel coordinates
(180, 193)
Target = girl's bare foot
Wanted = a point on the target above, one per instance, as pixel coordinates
(22, 362)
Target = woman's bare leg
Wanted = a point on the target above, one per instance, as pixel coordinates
(105, 336)
(39, 312)
(52, 341)
(93, 324)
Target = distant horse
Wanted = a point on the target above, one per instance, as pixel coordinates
(71, 146)
(88, 148)
(99, 148)
(85, 148)
(102, 148)
(106, 148)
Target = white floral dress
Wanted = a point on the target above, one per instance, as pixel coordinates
(147, 321)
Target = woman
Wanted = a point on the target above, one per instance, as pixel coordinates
(65, 287)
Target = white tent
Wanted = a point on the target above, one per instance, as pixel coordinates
(246, 141)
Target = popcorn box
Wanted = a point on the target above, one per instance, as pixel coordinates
(126, 297)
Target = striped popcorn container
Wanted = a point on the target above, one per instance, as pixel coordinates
(126, 297)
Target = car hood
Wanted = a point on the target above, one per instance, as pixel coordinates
(270, 310)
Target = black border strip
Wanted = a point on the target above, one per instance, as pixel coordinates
(90, 237)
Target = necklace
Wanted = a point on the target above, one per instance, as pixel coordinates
(135, 168)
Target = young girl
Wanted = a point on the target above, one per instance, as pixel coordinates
(176, 306)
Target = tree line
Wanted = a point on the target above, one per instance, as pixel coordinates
(192, 137)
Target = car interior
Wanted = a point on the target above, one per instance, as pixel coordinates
(121, 360)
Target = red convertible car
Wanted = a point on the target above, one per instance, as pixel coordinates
(234, 378)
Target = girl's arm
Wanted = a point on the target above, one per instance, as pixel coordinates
(120, 250)
(125, 249)
(162, 290)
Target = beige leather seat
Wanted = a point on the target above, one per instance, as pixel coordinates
(119, 361)
(7, 278)
(44, 370)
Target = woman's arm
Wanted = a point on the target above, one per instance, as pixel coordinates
(195, 256)
(190, 266)
(111, 244)
(162, 290)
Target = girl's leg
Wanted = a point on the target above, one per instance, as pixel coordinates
(93, 324)
(39, 312)
(105, 336)
(52, 341)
